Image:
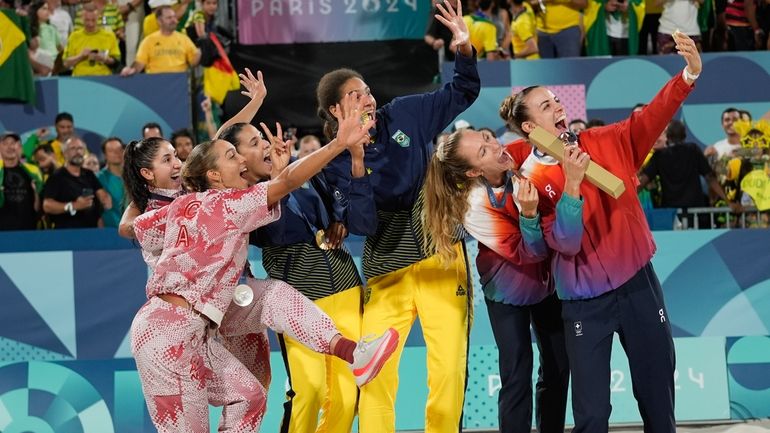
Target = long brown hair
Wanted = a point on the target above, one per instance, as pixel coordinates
(514, 112)
(328, 94)
(446, 191)
(201, 160)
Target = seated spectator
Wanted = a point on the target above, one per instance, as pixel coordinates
(679, 167)
(576, 126)
(46, 43)
(182, 140)
(109, 14)
(726, 147)
(20, 184)
(93, 49)
(91, 162)
(61, 20)
(45, 158)
(65, 128)
(559, 24)
(307, 145)
(438, 36)
(679, 15)
(152, 129)
(524, 31)
(166, 50)
(111, 179)
(73, 196)
(483, 33)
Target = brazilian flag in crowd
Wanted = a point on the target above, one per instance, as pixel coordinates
(594, 16)
(15, 71)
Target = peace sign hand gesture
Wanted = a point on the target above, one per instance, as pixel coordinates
(280, 150)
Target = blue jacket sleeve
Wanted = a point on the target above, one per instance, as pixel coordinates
(563, 229)
(362, 210)
(436, 110)
(352, 200)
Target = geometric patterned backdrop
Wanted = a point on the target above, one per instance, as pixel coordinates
(64, 360)
(614, 85)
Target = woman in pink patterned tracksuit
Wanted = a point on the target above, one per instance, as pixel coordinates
(151, 174)
(202, 238)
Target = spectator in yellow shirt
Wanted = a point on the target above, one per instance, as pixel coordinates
(523, 31)
(93, 49)
(165, 50)
(182, 9)
(558, 27)
(482, 31)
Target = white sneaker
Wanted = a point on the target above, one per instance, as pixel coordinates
(370, 356)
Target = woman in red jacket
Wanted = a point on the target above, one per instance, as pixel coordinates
(610, 286)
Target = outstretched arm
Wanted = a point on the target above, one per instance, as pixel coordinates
(351, 134)
(644, 126)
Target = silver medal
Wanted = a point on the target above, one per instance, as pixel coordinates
(243, 295)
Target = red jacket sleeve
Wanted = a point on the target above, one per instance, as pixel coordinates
(639, 132)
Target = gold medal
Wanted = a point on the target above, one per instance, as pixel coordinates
(320, 240)
(365, 118)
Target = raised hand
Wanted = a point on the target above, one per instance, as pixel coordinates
(206, 105)
(686, 48)
(574, 164)
(280, 150)
(453, 20)
(352, 132)
(527, 197)
(255, 86)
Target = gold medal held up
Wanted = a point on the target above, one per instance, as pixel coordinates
(320, 240)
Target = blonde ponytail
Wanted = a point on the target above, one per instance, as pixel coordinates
(446, 191)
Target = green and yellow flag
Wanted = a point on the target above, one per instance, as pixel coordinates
(16, 81)
(594, 15)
